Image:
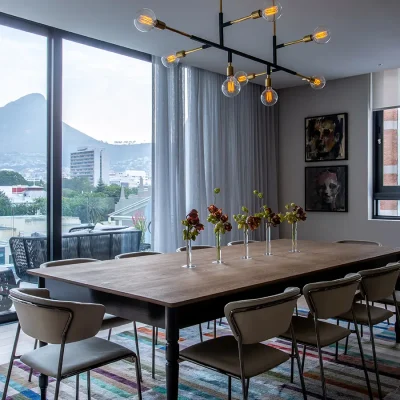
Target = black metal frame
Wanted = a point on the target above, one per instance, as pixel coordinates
(55, 39)
(381, 192)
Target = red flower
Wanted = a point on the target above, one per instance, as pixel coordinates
(193, 214)
(218, 214)
(212, 209)
(253, 222)
(200, 227)
(224, 218)
(193, 221)
(228, 226)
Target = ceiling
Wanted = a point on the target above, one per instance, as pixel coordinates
(365, 33)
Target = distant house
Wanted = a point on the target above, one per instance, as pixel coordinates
(23, 194)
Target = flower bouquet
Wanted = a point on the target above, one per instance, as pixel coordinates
(221, 225)
(271, 220)
(192, 229)
(294, 215)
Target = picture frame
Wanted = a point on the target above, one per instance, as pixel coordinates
(326, 188)
(326, 138)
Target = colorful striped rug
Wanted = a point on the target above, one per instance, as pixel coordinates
(345, 379)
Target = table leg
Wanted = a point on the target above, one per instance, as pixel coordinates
(172, 354)
(43, 379)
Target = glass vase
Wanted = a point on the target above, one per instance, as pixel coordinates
(294, 238)
(246, 244)
(218, 248)
(189, 255)
(268, 248)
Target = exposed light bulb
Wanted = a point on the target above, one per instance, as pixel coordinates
(317, 82)
(321, 35)
(145, 20)
(231, 87)
(269, 97)
(242, 78)
(170, 60)
(272, 10)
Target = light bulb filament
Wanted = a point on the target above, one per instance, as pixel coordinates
(231, 87)
(171, 58)
(144, 19)
(241, 78)
(268, 96)
(271, 11)
(321, 35)
(317, 82)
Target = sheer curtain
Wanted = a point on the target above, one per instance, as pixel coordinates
(204, 140)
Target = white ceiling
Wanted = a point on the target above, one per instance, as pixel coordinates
(365, 33)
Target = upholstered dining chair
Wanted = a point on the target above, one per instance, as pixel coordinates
(69, 328)
(137, 254)
(325, 300)
(376, 284)
(109, 321)
(365, 242)
(243, 356)
(235, 242)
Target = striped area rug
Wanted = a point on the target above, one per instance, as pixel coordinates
(345, 379)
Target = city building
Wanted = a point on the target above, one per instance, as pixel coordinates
(92, 163)
(23, 193)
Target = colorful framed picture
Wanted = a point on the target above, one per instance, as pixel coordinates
(326, 188)
(326, 138)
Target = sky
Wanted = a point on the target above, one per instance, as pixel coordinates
(105, 95)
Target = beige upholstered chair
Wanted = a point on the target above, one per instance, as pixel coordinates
(235, 242)
(194, 247)
(242, 355)
(326, 300)
(136, 254)
(69, 328)
(366, 242)
(376, 284)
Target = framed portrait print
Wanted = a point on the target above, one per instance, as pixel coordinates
(326, 138)
(326, 188)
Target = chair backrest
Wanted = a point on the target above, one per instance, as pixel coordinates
(54, 321)
(195, 247)
(137, 254)
(69, 261)
(240, 242)
(331, 298)
(366, 242)
(379, 283)
(254, 321)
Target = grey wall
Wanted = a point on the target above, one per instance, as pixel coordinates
(349, 95)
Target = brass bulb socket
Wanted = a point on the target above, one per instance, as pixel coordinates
(229, 70)
(181, 54)
(251, 76)
(307, 38)
(160, 25)
(256, 14)
(268, 81)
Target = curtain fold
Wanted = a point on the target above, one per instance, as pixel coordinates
(204, 140)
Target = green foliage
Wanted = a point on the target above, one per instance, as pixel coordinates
(10, 178)
(5, 204)
(77, 184)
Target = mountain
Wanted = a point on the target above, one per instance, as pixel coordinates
(23, 130)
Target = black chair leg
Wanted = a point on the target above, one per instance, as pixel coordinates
(156, 338)
(304, 357)
(292, 365)
(137, 348)
(138, 374)
(220, 321)
(88, 385)
(153, 353)
(208, 325)
(215, 328)
(388, 321)
(337, 344)
(201, 333)
(347, 340)
(109, 334)
(229, 388)
(77, 388)
(378, 382)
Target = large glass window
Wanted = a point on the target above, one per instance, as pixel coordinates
(107, 133)
(23, 167)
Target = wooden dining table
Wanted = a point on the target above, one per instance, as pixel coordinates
(156, 290)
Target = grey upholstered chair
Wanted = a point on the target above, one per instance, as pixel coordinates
(194, 247)
(365, 242)
(325, 300)
(235, 242)
(69, 328)
(137, 254)
(376, 284)
(242, 355)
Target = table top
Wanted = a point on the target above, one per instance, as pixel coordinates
(160, 279)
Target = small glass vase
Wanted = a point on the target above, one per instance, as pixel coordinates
(294, 238)
(218, 248)
(189, 255)
(246, 244)
(268, 247)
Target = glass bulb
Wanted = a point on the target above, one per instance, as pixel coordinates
(269, 97)
(170, 61)
(318, 82)
(272, 10)
(145, 20)
(231, 87)
(242, 78)
(321, 35)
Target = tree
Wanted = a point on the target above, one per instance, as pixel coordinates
(100, 188)
(5, 204)
(11, 178)
(79, 184)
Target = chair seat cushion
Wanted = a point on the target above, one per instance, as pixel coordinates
(360, 310)
(223, 354)
(304, 329)
(78, 356)
(389, 300)
(111, 321)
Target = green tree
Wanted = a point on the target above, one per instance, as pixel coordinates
(10, 178)
(100, 188)
(5, 204)
(80, 184)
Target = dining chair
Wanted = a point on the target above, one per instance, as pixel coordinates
(69, 328)
(326, 300)
(136, 254)
(109, 321)
(376, 284)
(362, 242)
(235, 242)
(194, 247)
(243, 356)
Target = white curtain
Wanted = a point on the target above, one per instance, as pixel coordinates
(204, 140)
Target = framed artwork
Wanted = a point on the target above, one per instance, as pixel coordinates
(326, 188)
(326, 138)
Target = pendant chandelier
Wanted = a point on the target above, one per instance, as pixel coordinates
(146, 20)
